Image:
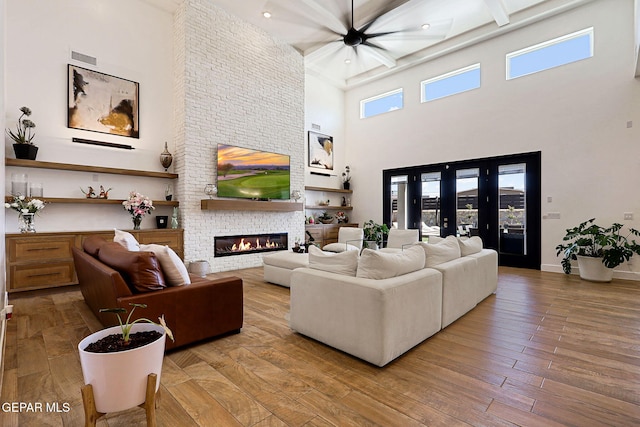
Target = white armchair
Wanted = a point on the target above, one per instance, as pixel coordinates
(351, 235)
(399, 238)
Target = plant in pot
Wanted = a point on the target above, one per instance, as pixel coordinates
(374, 234)
(117, 362)
(597, 249)
(325, 218)
(23, 146)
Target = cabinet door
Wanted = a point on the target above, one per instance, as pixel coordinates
(39, 248)
(171, 238)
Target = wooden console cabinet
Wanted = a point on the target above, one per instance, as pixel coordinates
(44, 260)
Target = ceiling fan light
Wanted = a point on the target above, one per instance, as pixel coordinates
(266, 14)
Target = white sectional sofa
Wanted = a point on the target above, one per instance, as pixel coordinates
(382, 304)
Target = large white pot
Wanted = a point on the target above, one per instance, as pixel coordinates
(593, 269)
(119, 380)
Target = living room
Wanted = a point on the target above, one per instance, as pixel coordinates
(207, 77)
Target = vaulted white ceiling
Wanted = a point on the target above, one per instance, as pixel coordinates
(316, 29)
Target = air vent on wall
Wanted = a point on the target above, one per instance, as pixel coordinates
(315, 126)
(83, 58)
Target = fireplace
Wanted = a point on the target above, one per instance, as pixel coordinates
(250, 244)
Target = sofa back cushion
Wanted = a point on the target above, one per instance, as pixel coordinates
(141, 270)
(384, 265)
(92, 244)
(470, 246)
(341, 263)
(446, 250)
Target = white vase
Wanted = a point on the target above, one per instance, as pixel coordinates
(119, 380)
(594, 270)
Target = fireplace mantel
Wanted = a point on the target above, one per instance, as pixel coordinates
(248, 205)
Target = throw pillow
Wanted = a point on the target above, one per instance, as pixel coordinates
(341, 263)
(126, 240)
(339, 247)
(141, 270)
(469, 246)
(92, 245)
(175, 272)
(384, 265)
(446, 250)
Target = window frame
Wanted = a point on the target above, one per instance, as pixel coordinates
(537, 47)
(459, 71)
(390, 93)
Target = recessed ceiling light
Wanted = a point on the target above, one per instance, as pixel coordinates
(347, 61)
(426, 26)
(266, 14)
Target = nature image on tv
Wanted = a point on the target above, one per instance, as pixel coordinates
(252, 174)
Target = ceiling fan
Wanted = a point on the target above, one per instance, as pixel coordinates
(371, 43)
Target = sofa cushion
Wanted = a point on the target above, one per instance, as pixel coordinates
(341, 263)
(437, 253)
(339, 247)
(470, 246)
(384, 265)
(174, 270)
(126, 240)
(92, 245)
(141, 270)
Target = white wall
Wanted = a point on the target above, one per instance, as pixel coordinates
(324, 106)
(237, 86)
(130, 39)
(576, 115)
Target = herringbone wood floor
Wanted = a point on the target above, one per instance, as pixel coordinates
(546, 350)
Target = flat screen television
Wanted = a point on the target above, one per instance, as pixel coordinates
(252, 174)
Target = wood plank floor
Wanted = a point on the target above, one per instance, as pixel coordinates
(546, 350)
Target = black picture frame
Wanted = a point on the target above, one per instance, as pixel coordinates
(103, 103)
(320, 150)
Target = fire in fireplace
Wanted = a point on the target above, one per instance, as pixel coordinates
(250, 244)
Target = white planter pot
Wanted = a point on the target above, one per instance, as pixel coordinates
(119, 380)
(594, 270)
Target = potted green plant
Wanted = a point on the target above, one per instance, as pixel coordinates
(125, 356)
(325, 218)
(597, 249)
(23, 146)
(374, 234)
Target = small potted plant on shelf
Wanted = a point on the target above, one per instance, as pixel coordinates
(325, 218)
(598, 250)
(117, 361)
(23, 146)
(374, 234)
(346, 178)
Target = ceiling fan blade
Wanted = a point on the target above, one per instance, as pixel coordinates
(328, 19)
(379, 54)
(324, 51)
(407, 36)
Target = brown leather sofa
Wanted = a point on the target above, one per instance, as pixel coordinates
(204, 309)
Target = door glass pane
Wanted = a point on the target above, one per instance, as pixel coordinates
(512, 208)
(467, 201)
(399, 201)
(431, 215)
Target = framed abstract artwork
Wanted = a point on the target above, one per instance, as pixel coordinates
(99, 102)
(320, 151)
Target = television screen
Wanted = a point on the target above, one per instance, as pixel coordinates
(252, 174)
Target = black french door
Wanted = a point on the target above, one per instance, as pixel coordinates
(495, 198)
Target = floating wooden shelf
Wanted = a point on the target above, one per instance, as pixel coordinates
(83, 168)
(96, 201)
(248, 205)
(338, 208)
(332, 190)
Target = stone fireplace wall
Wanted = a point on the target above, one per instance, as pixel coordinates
(236, 85)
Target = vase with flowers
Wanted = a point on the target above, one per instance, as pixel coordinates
(23, 146)
(138, 206)
(27, 209)
(346, 178)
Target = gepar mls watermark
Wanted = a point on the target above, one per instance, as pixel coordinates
(57, 407)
